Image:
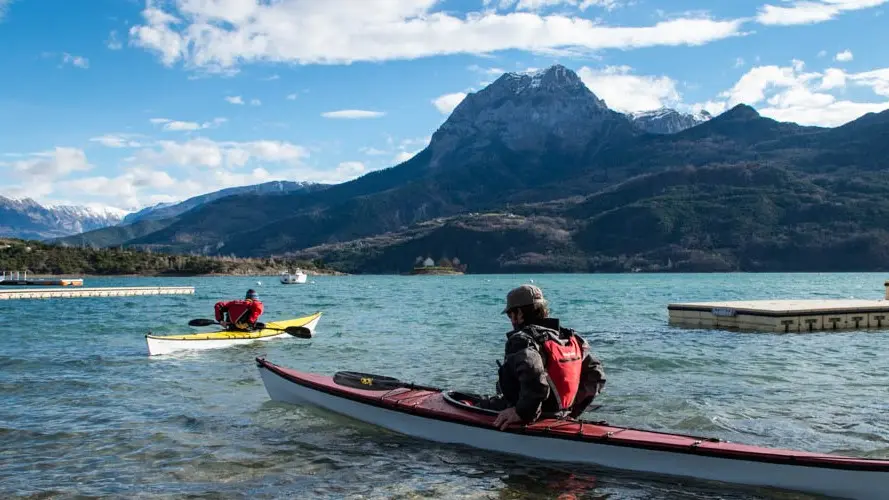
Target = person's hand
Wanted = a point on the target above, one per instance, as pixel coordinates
(506, 417)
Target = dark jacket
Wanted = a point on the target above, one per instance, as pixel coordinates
(523, 381)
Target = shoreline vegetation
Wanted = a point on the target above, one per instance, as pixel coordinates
(41, 260)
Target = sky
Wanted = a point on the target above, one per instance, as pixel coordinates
(129, 103)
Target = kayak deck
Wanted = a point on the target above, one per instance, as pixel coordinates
(256, 334)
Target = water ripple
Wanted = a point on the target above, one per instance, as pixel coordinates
(87, 414)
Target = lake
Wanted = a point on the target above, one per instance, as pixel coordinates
(86, 412)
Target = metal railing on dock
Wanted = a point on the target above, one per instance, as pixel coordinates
(43, 293)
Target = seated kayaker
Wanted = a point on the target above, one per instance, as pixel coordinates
(239, 314)
(548, 370)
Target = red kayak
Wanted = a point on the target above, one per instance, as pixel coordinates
(449, 417)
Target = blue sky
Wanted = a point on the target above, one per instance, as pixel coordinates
(126, 103)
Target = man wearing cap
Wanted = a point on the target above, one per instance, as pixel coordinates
(239, 314)
(547, 369)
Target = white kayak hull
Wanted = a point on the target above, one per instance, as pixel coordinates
(160, 346)
(839, 481)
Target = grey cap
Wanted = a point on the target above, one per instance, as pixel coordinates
(524, 295)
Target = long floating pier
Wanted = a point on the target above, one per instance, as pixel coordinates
(43, 293)
(783, 316)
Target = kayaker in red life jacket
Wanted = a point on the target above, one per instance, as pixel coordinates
(547, 369)
(239, 314)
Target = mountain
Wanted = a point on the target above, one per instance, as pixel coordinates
(721, 218)
(28, 219)
(167, 210)
(509, 142)
(564, 183)
(667, 121)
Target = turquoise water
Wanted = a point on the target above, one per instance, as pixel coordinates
(86, 412)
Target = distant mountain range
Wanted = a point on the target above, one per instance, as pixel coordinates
(28, 219)
(535, 172)
(166, 210)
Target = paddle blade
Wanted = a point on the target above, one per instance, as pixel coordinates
(299, 331)
(202, 322)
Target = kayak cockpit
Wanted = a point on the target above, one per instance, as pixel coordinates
(466, 401)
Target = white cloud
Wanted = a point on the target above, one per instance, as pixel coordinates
(165, 170)
(352, 114)
(537, 5)
(49, 165)
(877, 80)
(113, 43)
(345, 171)
(255, 102)
(373, 151)
(292, 97)
(404, 156)
(217, 35)
(117, 141)
(448, 102)
(180, 126)
(791, 94)
(712, 107)
(234, 99)
(739, 62)
(822, 53)
(78, 61)
(844, 56)
(202, 152)
(833, 78)
(811, 11)
(626, 92)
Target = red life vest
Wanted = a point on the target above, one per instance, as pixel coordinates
(563, 366)
(239, 310)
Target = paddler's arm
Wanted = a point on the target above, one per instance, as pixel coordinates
(534, 387)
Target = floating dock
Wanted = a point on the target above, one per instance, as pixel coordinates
(782, 316)
(43, 282)
(17, 278)
(43, 293)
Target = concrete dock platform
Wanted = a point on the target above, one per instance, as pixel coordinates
(44, 293)
(783, 316)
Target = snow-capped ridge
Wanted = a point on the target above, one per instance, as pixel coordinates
(667, 120)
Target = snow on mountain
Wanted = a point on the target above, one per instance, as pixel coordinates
(25, 218)
(666, 120)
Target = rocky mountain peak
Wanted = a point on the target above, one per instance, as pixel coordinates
(526, 112)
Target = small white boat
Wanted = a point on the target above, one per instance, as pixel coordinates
(225, 338)
(289, 279)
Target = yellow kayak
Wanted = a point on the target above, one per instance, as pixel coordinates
(165, 344)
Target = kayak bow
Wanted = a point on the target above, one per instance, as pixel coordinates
(225, 338)
(442, 416)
